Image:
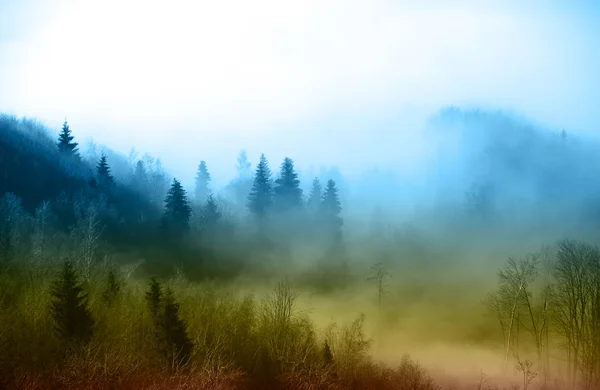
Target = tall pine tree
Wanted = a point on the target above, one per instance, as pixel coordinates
(169, 328)
(73, 320)
(330, 212)
(314, 198)
(287, 191)
(177, 213)
(174, 341)
(202, 182)
(260, 198)
(65, 142)
(103, 174)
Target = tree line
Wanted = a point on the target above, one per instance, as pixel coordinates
(151, 210)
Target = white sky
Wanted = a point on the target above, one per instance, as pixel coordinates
(323, 81)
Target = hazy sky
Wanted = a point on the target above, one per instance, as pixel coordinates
(323, 81)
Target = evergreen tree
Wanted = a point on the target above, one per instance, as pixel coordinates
(103, 174)
(177, 213)
(173, 337)
(287, 191)
(65, 141)
(170, 330)
(139, 179)
(73, 320)
(330, 212)
(112, 289)
(243, 165)
(261, 194)
(202, 183)
(210, 212)
(154, 297)
(314, 198)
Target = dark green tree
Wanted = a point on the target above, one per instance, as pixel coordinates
(65, 141)
(112, 289)
(314, 198)
(175, 342)
(153, 298)
(287, 191)
(330, 212)
(202, 190)
(73, 321)
(103, 174)
(177, 212)
(260, 198)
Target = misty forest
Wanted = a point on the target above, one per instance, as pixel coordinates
(114, 275)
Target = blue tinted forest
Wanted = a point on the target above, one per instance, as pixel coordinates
(114, 274)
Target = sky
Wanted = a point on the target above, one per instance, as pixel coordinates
(326, 82)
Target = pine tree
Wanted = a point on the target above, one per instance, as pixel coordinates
(330, 212)
(261, 194)
(211, 213)
(287, 191)
(243, 165)
(154, 297)
(73, 320)
(177, 213)
(170, 330)
(103, 174)
(173, 337)
(203, 179)
(314, 198)
(65, 141)
(112, 289)
(139, 178)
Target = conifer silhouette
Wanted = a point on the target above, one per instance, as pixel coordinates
(73, 321)
(287, 191)
(65, 141)
(210, 212)
(330, 212)
(177, 213)
(105, 178)
(202, 190)
(315, 195)
(154, 297)
(243, 166)
(261, 194)
(176, 344)
(173, 341)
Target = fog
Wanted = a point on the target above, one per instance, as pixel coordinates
(456, 137)
(200, 80)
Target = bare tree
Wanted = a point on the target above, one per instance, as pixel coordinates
(511, 298)
(578, 308)
(42, 240)
(529, 374)
(86, 238)
(379, 274)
